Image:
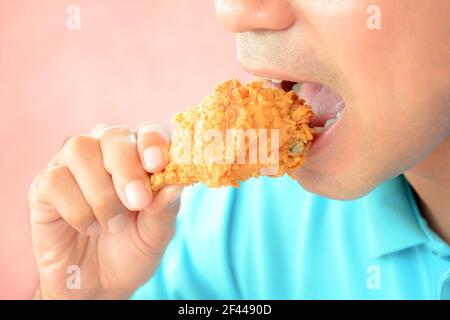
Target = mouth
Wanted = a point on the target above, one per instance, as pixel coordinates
(327, 104)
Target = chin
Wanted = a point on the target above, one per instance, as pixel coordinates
(338, 186)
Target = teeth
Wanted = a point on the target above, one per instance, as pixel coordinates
(329, 123)
(276, 81)
(318, 130)
(296, 88)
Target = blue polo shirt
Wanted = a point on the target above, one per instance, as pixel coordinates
(270, 239)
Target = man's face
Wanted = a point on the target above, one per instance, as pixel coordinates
(394, 81)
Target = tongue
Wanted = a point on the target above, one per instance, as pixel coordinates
(325, 102)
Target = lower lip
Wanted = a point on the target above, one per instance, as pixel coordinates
(322, 140)
(325, 101)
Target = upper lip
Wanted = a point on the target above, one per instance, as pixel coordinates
(270, 74)
(320, 118)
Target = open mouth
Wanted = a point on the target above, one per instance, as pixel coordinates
(326, 103)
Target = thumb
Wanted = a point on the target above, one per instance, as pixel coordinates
(156, 223)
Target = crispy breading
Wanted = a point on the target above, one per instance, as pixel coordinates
(210, 140)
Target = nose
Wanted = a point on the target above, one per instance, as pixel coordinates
(249, 15)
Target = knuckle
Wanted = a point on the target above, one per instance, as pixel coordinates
(99, 126)
(79, 146)
(114, 132)
(48, 182)
(118, 144)
(97, 130)
(34, 194)
(146, 128)
(54, 177)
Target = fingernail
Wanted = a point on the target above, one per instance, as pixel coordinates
(117, 223)
(94, 229)
(153, 157)
(137, 195)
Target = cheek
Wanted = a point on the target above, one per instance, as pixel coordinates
(394, 119)
(395, 135)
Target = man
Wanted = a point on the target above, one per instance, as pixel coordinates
(386, 85)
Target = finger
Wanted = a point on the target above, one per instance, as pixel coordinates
(164, 200)
(101, 127)
(97, 129)
(156, 223)
(57, 187)
(56, 161)
(121, 160)
(153, 141)
(83, 156)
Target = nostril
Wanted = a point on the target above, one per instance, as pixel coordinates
(248, 15)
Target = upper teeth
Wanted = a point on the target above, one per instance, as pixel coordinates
(276, 80)
(296, 88)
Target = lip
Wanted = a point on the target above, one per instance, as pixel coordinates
(322, 140)
(269, 74)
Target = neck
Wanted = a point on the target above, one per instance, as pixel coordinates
(430, 180)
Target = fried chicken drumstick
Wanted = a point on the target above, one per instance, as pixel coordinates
(221, 141)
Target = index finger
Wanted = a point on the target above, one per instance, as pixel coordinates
(153, 142)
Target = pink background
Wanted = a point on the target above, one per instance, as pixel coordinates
(130, 62)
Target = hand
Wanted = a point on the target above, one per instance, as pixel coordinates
(92, 211)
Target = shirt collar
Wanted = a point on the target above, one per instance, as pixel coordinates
(392, 218)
